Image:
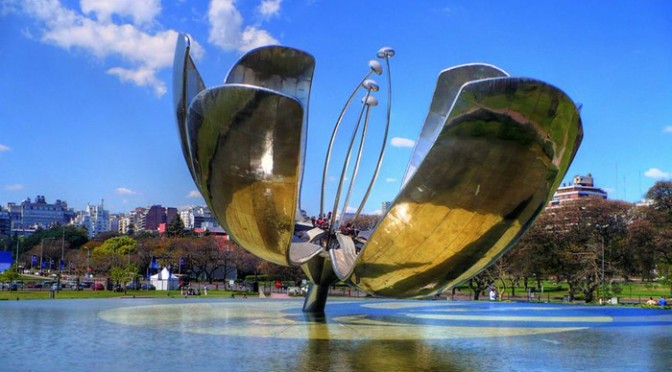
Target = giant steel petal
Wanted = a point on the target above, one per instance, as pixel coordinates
(501, 153)
(283, 69)
(187, 83)
(245, 142)
(448, 85)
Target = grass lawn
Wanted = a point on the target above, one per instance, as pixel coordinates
(43, 294)
(632, 292)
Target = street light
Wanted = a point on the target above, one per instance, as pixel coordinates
(62, 250)
(42, 250)
(603, 227)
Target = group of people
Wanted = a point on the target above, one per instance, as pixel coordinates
(322, 222)
(662, 301)
(188, 291)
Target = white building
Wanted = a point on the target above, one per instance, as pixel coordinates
(95, 218)
(384, 206)
(197, 217)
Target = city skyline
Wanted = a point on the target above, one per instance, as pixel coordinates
(91, 113)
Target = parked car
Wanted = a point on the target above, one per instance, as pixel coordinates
(148, 287)
(98, 287)
(31, 285)
(133, 286)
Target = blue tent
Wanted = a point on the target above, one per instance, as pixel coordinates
(6, 260)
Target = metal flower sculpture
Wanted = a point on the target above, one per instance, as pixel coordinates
(492, 151)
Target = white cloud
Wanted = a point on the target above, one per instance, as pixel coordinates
(656, 174)
(143, 77)
(4, 148)
(142, 53)
(142, 12)
(269, 8)
(402, 142)
(668, 129)
(126, 191)
(226, 23)
(14, 187)
(194, 194)
(390, 180)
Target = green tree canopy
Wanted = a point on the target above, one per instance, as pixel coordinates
(119, 245)
(661, 196)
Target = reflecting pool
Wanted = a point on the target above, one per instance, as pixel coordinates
(250, 334)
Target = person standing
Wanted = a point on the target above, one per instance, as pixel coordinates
(54, 288)
(662, 302)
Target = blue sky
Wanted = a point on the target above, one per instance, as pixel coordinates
(86, 109)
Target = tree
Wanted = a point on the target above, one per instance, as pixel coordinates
(661, 196)
(75, 237)
(536, 255)
(245, 262)
(364, 222)
(103, 236)
(123, 274)
(206, 257)
(113, 253)
(478, 284)
(572, 241)
(10, 274)
(175, 227)
(282, 273)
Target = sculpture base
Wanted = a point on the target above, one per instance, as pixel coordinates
(316, 298)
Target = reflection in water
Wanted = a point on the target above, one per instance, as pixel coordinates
(363, 335)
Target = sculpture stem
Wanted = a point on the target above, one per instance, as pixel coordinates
(382, 149)
(345, 167)
(357, 161)
(333, 138)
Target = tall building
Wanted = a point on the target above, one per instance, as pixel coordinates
(581, 187)
(114, 222)
(156, 215)
(95, 218)
(197, 217)
(5, 223)
(124, 224)
(385, 206)
(149, 219)
(36, 214)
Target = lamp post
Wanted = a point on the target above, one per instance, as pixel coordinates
(16, 259)
(62, 250)
(603, 227)
(88, 258)
(42, 251)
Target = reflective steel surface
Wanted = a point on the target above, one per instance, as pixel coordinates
(501, 153)
(448, 85)
(244, 142)
(282, 69)
(187, 83)
(246, 145)
(492, 151)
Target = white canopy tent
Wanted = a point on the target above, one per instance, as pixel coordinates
(164, 280)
